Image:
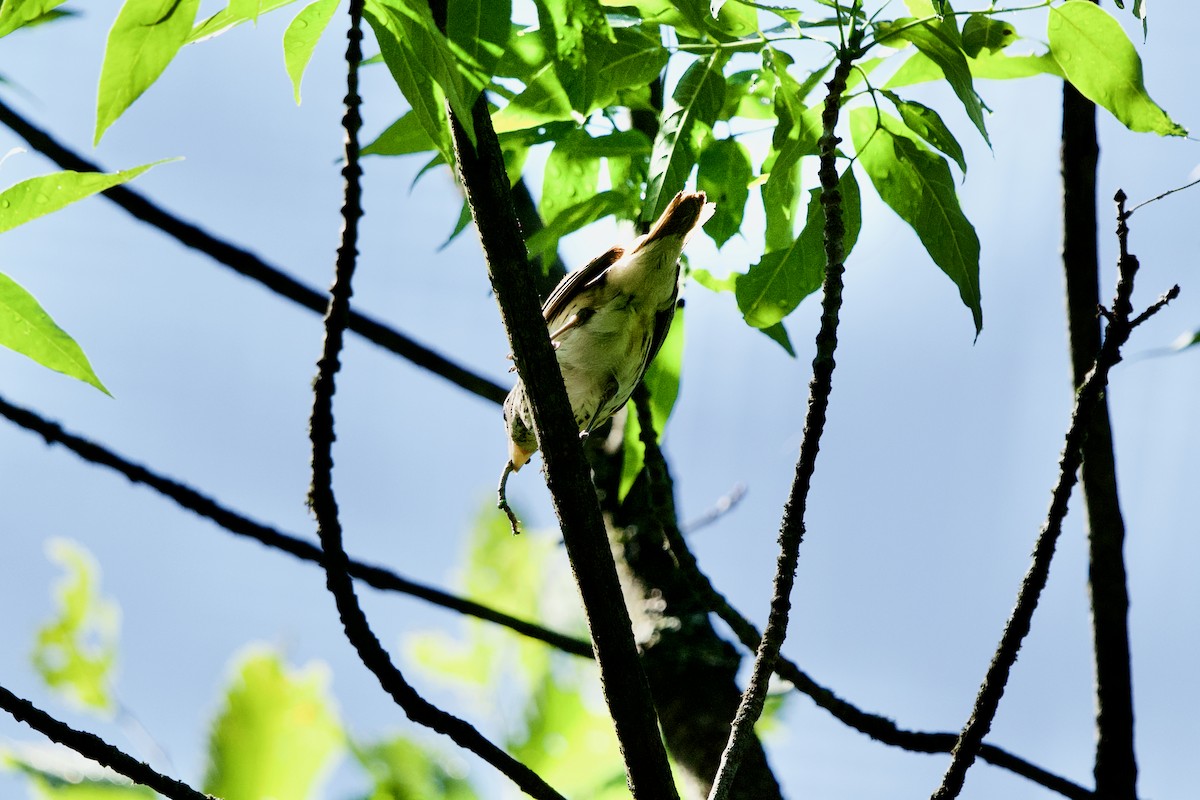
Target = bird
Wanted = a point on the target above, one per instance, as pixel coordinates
(606, 322)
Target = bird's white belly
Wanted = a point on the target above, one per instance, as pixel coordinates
(601, 360)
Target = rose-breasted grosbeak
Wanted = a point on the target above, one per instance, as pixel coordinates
(607, 322)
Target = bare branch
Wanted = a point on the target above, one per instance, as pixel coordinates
(321, 494)
(792, 528)
(249, 265)
(991, 690)
(95, 748)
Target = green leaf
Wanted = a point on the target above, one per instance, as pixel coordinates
(479, 31)
(237, 12)
(941, 44)
(698, 97)
(145, 37)
(572, 30)
(989, 66)
(749, 94)
(636, 58)
(277, 733)
(1186, 340)
(982, 32)
(71, 778)
(543, 100)
(571, 219)
(1099, 60)
(724, 175)
(403, 137)
(774, 287)
(16, 14)
(419, 57)
(301, 38)
(712, 282)
(917, 184)
(570, 176)
(76, 652)
(781, 194)
(662, 381)
(400, 768)
(926, 123)
(778, 334)
(45, 194)
(26, 328)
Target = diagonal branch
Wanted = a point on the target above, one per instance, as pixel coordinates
(1120, 326)
(192, 500)
(792, 529)
(321, 494)
(92, 746)
(249, 265)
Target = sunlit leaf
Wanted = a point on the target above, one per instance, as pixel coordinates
(144, 39)
(543, 100)
(926, 123)
(571, 30)
(571, 219)
(662, 382)
(478, 31)
(76, 651)
(724, 175)
(16, 14)
(570, 176)
(989, 66)
(26, 328)
(276, 734)
(775, 286)
(61, 774)
(917, 184)
(403, 137)
(46, 194)
(1099, 60)
(301, 38)
(698, 97)
(234, 14)
(940, 43)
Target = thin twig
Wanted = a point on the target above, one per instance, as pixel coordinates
(792, 529)
(878, 727)
(725, 504)
(236, 523)
(321, 495)
(92, 746)
(251, 266)
(1120, 326)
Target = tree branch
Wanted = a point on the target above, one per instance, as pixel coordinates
(92, 746)
(321, 495)
(792, 529)
(192, 500)
(1092, 388)
(249, 265)
(1115, 766)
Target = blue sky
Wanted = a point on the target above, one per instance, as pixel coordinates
(933, 479)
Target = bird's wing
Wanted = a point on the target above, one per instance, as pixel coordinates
(570, 286)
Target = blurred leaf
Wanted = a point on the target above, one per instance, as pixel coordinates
(26, 328)
(237, 12)
(917, 184)
(479, 31)
(419, 57)
(144, 39)
(1099, 60)
(940, 43)
(76, 651)
(749, 94)
(16, 14)
(301, 38)
(1186, 340)
(698, 97)
(926, 123)
(570, 176)
(62, 774)
(775, 286)
(724, 175)
(713, 283)
(276, 734)
(662, 381)
(402, 770)
(982, 32)
(403, 137)
(45, 194)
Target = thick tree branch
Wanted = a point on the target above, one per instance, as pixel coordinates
(92, 746)
(321, 495)
(1116, 762)
(1120, 325)
(236, 523)
(792, 529)
(249, 265)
